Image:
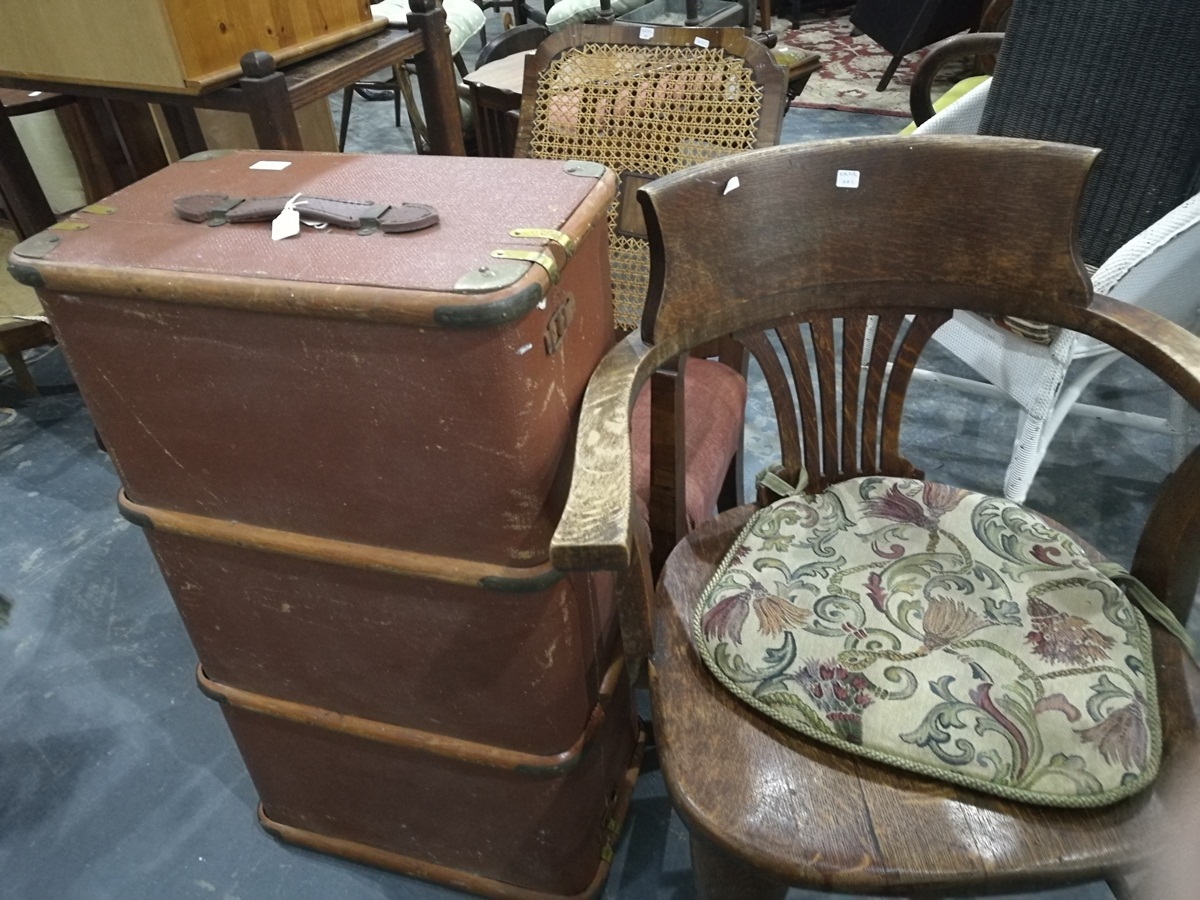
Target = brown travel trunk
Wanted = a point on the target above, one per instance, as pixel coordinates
(349, 450)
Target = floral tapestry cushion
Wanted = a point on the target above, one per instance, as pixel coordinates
(945, 632)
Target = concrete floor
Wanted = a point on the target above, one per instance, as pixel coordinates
(118, 779)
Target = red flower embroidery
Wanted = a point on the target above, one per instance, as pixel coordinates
(840, 694)
(1062, 638)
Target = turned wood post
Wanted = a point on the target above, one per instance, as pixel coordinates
(268, 103)
(435, 75)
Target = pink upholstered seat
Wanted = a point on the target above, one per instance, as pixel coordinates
(714, 398)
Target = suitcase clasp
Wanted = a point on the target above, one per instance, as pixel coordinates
(537, 257)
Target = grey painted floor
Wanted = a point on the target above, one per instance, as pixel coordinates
(118, 778)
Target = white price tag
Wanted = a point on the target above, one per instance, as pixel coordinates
(287, 223)
(847, 178)
(731, 185)
(646, 33)
(701, 42)
(272, 165)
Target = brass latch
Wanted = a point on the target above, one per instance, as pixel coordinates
(548, 234)
(538, 257)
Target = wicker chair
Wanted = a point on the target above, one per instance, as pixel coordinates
(645, 108)
(1123, 76)
(766, 806)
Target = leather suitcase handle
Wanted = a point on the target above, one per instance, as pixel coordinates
(216, 209)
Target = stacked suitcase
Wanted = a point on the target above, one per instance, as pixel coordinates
(349, 449)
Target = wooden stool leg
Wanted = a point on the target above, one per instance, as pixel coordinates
(720, 876)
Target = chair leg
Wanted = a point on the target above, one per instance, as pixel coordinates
(397, 100)
(1035, 434)
(347, 99)
(720, 876)
(421, 140)
(20, 371)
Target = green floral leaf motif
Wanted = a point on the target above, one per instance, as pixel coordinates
(834, 616)
(1118, 610)
(996, 719)
(941, 689)
(801, 578)
(898, 675)
(1071, 768)
(770, 526)
(1002, 612)
(991, 761)
(734, 666)
(796, 706)
(1104, 691)
(933, 733)
(1015, 534)
(907, 617)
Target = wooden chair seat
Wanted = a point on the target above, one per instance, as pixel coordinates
(812, 816)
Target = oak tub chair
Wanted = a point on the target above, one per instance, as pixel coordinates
(766, 806)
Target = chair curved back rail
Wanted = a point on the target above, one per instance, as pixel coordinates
(715, 273)
(646, 107)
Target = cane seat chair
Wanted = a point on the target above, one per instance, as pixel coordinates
(1124, 77)
(645, 107)
(767, 807)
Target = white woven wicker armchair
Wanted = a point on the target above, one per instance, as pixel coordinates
(1061, 77)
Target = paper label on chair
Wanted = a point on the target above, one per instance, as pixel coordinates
(701, 42)
(272, 165)
(646, 33)
(847, 178)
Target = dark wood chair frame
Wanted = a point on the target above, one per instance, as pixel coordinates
(767, 808)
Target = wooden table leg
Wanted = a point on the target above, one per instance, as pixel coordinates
(435, 75)
(267, 101)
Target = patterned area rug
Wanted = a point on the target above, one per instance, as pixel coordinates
(852, 66)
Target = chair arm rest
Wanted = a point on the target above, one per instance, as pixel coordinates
(1168, 350)
(919, 97)
(1167, 559)
(595, 531)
